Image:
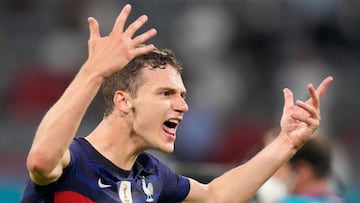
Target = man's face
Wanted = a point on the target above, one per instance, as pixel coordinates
(159, 107)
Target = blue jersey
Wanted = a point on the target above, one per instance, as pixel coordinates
(90, 177)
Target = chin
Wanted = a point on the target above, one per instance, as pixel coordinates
(168, 148)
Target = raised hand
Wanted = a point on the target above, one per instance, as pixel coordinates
(300, 120)
(111, 53)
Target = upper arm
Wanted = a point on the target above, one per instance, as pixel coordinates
(42, 177)
(198, 193)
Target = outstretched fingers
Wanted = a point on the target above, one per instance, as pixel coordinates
(314, 96)
(311, 117)
(312, 111)
(311, 123)
(119, 31)
(324, 85)
(121, 19)
(144, 49)
(136, 25)
(312, 106)
(145, 36)
(300, 120)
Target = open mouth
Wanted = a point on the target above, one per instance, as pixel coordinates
(172, 123)
(170, 126)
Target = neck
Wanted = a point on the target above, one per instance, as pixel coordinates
(112, 138)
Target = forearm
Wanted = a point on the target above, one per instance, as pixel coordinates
(298, 122)
(59, 125)
(242, 182)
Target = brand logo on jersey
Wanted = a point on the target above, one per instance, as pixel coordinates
(102, 185)
(125, 192)
(148, 190)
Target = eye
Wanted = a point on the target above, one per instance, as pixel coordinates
(167, 93)
(183, 96)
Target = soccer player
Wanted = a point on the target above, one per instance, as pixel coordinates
(144, 105)
(310, 174)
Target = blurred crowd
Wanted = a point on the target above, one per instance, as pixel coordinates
(237, 56)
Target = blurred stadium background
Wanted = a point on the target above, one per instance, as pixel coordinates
(237, 55)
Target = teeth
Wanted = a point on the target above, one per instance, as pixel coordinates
(174, 121)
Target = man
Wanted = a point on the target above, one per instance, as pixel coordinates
(142, 112)
(310, 173)
(305, 178)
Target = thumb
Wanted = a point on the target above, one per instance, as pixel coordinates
(288, 98)
(94, 29)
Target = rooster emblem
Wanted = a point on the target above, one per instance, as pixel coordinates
(148, 190)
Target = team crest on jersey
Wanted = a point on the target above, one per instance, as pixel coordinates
(125, 192)
(148, 190)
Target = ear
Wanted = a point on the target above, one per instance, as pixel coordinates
(122, 101)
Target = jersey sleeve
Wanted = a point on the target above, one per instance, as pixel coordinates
(34, 193)
(176, 187)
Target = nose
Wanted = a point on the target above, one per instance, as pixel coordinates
(180, 105)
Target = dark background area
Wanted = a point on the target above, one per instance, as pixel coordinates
(237, 56)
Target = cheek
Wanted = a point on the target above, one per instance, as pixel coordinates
(153, 109)
(148, 118)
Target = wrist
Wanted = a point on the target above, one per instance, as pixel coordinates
(289, 143)
(91, 72)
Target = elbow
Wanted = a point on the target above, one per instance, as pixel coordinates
(39, 163)
(43, 168)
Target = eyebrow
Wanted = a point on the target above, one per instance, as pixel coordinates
(182, 92)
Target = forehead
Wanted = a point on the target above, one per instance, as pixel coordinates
(162, 77)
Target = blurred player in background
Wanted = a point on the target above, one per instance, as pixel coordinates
(306, 178)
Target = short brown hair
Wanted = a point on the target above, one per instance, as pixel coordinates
(317, 153)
